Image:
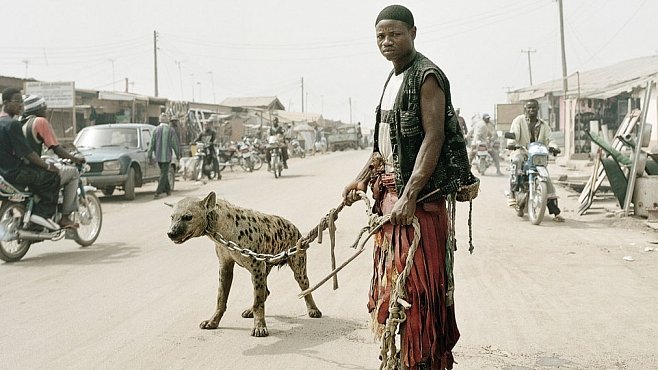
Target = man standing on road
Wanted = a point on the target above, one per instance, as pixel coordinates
(39, 132)
(163, 142)
(21, 166)
(528, 128)
(462, 122)
(417, 87)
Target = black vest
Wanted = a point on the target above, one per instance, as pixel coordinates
(35, 143)
(407, 133)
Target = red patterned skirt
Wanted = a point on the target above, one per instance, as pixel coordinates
(430, 332)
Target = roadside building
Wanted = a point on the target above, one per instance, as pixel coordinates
(596, 99)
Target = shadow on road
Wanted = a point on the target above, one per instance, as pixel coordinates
(99, 253)
(144, 196)
(305, 334)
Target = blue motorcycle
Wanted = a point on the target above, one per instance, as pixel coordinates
(529, 177)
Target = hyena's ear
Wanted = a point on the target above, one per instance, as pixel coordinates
(210, 201)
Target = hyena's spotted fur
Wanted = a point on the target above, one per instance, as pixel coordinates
(256, 231)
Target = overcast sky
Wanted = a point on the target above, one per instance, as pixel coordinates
(211, 50)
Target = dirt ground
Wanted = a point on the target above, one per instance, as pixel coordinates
(529, 297)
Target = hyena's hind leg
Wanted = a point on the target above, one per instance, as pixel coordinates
(297, 263)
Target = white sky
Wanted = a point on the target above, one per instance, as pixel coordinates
(264, 48)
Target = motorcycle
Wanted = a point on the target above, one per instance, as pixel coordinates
(276, 156)
(297, 150)
(19, 228)
(249, 160)
(483, 158)
(205, 163)
(529, 178)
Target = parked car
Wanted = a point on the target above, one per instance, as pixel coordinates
(117, 156)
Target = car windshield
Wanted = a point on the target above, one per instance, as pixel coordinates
(98, 138)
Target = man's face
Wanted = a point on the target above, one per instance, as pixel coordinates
(395, 39)
(14, 106)
(531, 109)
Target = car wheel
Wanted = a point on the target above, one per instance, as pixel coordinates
(129, 185)
(108, 191)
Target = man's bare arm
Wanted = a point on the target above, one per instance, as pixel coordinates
(432, 110)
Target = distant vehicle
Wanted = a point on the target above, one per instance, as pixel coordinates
(345, 137)
(116, 154)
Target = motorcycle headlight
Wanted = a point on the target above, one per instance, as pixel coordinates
(540, 160)
(112, 166)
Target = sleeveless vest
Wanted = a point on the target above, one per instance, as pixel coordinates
(35, 143)
(407, 135)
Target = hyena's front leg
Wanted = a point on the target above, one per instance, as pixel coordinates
(225, 280)
(259, 280)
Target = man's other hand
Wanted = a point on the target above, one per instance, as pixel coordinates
(350, 192)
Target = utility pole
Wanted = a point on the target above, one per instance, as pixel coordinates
(113, 78)
(26, 62)
(126, 84)
(155, 60)
(350, 101)
(180, 78)
(192, 75)
(212, 84)
(302, 94)
(565, 85)
(528, 51)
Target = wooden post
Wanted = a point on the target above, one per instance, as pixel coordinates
(638, 148)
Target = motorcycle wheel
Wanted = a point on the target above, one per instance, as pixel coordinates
(246, 165)
(537, 204)
(258, 163)
(90, 218)
(482, 167)
(198, 170)
(11, 219)
(275, 166)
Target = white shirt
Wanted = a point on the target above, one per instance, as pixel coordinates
(384, 137)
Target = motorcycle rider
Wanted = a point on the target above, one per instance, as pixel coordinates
(39, 132)
(21, 166)
(277, 130)
(207, 136)
(528, 128)
(485, 131)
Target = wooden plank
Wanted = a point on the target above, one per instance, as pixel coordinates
(626, 127)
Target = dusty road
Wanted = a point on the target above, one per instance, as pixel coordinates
(530, 297)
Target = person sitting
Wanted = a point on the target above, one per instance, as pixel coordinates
(207, 136)
(528, 128)
(22, 167)
(277, 130)
(39, 133)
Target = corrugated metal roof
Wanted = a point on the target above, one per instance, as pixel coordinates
(598, 83)
(267, 102)
(285, 116)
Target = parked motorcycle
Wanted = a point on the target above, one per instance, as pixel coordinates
(529, 178)
(276, 156)
(205, 164)
(296, 149)
(250, 160)
(19, 229)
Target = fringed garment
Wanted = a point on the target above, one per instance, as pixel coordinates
(430, 331)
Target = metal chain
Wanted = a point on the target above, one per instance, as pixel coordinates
(301, 245)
